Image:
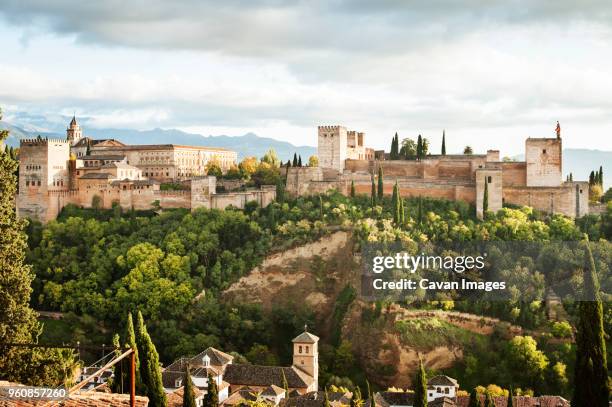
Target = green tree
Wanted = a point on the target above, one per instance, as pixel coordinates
(396, 204)
(419, 149)
(295, 160)
(352, 189)
(150, 370)
(18, 322)
(590, 372)
(601, 180)
(373, 194)
(270, 157)
(188, 391)
(211, 399)
(510, 398)
(394, 153)
(592, 178)
(420, 387)
(381, 190)
(408, 150)
(443, 142)
(122, 372)
(468, 150)
(485, 198)
(474, 401)
(524, 356)
(300, 161)
(420, 210)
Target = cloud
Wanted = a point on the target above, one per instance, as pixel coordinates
(477, 67)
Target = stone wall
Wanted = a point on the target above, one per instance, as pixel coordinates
(570, 199)
(544, 162)
(332, 147)
(493, 180)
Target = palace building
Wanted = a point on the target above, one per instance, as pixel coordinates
(536, 182)
(86, 172)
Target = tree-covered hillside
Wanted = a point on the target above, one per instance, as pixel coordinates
(95, 266)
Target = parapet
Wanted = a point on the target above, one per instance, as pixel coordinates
(41, 141)
(329, 128)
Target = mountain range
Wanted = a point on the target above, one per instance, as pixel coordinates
(580, 162)
(247, 145)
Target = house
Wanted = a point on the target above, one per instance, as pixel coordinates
(237, 382)
(441, 386)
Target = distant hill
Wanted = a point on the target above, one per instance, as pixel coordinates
(248, 145)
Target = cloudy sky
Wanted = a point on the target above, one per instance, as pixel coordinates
(489, 72)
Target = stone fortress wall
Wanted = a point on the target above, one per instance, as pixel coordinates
(51, 177)
(535, 182)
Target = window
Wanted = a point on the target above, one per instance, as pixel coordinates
(544, 151)
(446, 390)
(306, 349)
(300, 349)
(489, 179)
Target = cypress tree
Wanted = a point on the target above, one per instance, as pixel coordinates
(590, 372)
(402, 212)
(474, 402)
(211, 399)
(510, 398)
(380, 184)
(352, 189)
(419, 148)
(592, 178)
(571, 177)
(295, 160)
(420, 389)
(373, 192)
(396, 205)
(122, 372)
(150, 370)
(601, 175)
(489, 400)
(300, 161)
(485, 198)
(393, 151)
(443, 142)
(188, 392)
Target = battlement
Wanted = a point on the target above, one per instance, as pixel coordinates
(329, 128)
(40, 141)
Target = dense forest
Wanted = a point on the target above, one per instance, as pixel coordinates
(95, 266)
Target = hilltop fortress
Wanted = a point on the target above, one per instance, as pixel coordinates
(535, 182)
(86, 172)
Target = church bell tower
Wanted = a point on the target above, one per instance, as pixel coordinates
(73, 132)
(306, 356)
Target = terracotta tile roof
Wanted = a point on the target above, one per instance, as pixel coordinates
(254, 375)
(85, 399)
(306, 337)
(217, 358)
(392, 398)
(175, 399)
(442, 380)
(316, 399)
(273, 391)
(244, 394)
